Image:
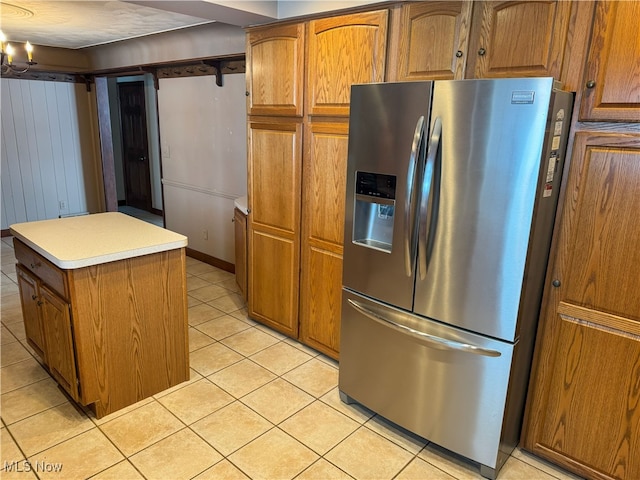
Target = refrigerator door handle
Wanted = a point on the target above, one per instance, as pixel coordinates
(427, 183)
(409, 253)
(433, 341)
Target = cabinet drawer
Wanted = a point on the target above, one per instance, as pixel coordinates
(46, 271)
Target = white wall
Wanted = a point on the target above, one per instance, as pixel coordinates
(49, 162)
(204, 158)
(296, 8)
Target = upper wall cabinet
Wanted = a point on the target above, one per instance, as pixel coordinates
(612, 76)
(344, 50)
(275, 70)
(518, 38)
(433, 39)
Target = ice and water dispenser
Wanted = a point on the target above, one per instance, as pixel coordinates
(374, 210)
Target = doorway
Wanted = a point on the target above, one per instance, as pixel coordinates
(135, 146)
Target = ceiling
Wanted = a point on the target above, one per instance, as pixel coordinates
(84, 23)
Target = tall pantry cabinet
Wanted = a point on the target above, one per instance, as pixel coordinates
(297, 149)
(583, 409)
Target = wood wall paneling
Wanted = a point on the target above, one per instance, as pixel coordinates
(46, 151)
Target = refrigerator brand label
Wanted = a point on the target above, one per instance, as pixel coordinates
(523, 97)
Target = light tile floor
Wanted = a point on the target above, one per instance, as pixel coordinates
(258, 405)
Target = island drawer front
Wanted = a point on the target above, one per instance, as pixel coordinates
(46, 271)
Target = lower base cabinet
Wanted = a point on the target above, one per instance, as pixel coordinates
(110, 334)
(583, 409)
(240, 232)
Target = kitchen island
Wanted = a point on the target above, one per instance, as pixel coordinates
(105, 306)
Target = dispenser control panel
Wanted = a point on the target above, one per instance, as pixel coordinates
(376, 185)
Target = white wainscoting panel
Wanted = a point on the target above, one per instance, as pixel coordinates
(204, 158)
(47, 152)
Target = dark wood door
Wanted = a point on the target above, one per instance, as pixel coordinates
(135, 148)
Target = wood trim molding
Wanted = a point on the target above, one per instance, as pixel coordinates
(216, 262)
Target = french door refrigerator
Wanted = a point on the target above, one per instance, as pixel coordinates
(452, 189)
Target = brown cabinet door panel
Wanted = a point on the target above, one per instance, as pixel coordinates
(275, 166)
(324, 187)
(584, 394)
(275, 70)
(273, 281)
(612, 77)
(602, 273)
(321, 299)
(275, 152)
(518, 38)
(60, 346)
(342, 51)
(29, 296)
(593, 395)
(434, 39)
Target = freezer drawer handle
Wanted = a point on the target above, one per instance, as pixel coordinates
(409, 227)
(430, 340)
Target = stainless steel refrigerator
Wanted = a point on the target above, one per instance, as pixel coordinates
(452, 189)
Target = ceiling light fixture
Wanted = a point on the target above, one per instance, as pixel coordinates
(6, 57)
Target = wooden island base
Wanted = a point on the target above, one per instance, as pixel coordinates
(112, 333)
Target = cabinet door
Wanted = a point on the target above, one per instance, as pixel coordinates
(324, 187)
(583, 407)
(275, 70)
(60, 347)
(518, 38)
(275, 156)
(434, 38)
(29, 297)
(612, 77)
(342, 51)
(240, 230)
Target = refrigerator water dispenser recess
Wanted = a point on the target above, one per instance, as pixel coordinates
(374, 210)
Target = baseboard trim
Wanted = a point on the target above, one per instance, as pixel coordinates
(216, 262)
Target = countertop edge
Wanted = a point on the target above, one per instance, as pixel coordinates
(91, 261)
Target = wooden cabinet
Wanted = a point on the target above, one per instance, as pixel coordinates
(110, 334)
(58, 331)
(47, 316)
(583, 403)
(275, 70)
(302, 298)
(240, 231)
(432, 39)
(518, 38)
(274, 172)
(344, 50)
(612, 77)
(324, 188)
(30, 297)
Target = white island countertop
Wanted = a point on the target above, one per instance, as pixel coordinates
(76, 242)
